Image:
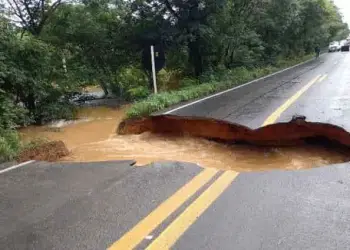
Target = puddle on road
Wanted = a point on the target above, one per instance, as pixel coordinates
(93, 138)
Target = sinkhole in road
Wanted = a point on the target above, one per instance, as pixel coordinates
(206, 142)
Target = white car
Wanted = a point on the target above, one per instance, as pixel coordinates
(334, 46)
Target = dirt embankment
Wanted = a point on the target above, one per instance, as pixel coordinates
(297, 131)
(49, 151)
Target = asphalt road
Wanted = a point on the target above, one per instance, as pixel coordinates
(182, 206)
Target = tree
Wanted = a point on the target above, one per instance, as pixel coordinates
(32, 14)
(31, 73)
(235, 42)
(102, 40)
(94, 36)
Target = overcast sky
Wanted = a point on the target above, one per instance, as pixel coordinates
(344, 6)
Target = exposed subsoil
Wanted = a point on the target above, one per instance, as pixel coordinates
(50, 151)
(296, 132)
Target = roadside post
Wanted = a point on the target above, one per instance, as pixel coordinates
(153, 60)
(153, 70)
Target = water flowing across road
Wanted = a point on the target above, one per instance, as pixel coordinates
(93, 138)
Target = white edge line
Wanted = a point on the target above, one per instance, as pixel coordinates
(16, 166)
(234, 88)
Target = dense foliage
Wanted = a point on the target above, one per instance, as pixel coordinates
(49, 49)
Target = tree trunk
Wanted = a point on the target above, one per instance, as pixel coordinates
(30, 102)
(195, 57)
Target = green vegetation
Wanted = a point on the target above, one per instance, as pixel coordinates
(51, 49)
(9, 144)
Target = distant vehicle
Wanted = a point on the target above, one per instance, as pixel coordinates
(334, 46)
(339, 46)
(345, 45)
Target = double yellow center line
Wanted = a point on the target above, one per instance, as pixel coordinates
(138, 233)
(174, 231)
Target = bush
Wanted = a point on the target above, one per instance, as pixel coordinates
(187, 82)
(227, 80)
(138, 93)
(11, 115)
(9, 144)
(169, 79)
(130, 83)
(55, 111)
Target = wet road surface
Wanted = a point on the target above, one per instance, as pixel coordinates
(182, 206)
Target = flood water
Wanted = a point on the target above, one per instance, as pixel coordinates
(92, 138)
(93, 124)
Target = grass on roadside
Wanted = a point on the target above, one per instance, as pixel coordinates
(9, 144)
(219, 82)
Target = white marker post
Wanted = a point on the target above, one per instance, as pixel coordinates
(153, 70)
(64, 65)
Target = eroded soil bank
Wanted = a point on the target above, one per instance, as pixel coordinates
(296, 132)
(93, 138)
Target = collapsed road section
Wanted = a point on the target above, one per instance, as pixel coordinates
(297, 131)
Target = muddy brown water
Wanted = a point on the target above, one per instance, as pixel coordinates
(92, 138)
